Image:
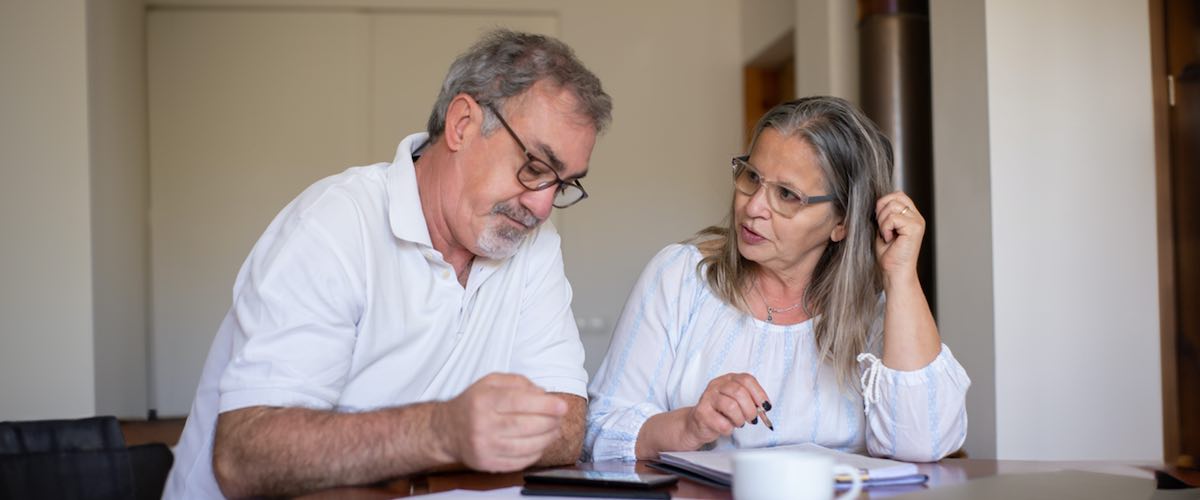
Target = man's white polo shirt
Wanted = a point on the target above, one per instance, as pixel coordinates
(343, 304)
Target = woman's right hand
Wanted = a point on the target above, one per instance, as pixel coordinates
(729, 402)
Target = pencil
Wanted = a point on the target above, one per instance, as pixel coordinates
(763, 415)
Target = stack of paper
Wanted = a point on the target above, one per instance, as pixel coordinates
(717, 466)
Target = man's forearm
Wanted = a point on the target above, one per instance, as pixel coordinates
(265, 451)
(566, 449)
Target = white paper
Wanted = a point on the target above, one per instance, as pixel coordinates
(719, 464)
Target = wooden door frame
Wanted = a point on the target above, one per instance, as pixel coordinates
(768, 79)
(1167, 288)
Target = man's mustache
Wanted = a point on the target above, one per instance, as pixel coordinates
(517, 213)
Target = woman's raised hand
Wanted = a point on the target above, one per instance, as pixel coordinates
(901, 228)
(729, 402)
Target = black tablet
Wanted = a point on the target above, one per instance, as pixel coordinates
(608, 479)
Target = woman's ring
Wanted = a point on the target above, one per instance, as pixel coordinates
(902, 212)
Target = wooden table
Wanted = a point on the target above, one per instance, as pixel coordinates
(946, 472)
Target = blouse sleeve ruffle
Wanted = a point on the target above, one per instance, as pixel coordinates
(915, 416)
(613, 435)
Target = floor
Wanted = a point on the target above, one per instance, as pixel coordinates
(164, 430)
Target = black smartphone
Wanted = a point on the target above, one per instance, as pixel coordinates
(575, 490)
(608, 479)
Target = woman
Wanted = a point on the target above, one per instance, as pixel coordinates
(809, 290)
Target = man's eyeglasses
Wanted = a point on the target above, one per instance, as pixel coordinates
(536, 175)
(783, 200)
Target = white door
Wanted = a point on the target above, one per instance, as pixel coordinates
(247, 108)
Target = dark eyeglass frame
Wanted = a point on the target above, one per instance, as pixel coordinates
(742, 163)
(537, 181)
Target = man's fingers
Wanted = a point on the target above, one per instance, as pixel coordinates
(525, 425)
(511, 380)
(526, 447)
(534, 401)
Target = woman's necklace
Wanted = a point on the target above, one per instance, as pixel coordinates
(771, 310)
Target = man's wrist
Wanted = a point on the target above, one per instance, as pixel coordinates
(445, 450)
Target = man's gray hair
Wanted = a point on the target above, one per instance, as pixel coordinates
(506, 63)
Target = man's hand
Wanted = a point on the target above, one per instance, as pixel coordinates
(501, 423)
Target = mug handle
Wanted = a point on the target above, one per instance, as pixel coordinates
(855, 479)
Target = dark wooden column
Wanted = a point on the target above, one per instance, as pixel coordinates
(893, 40)
(1182, 64)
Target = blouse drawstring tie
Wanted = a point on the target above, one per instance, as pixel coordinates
(871, 390)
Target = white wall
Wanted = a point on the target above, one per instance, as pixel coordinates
(1044, 170)
(46, 364)
(962, 188)
(1073, 230)
(119, 177)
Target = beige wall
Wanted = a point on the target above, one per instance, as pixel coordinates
(46, 365)
(661, 173)
(762, 23)
(1073, 230)
(962, 188)
(825, 41)
(119, 177)
(73, 204)
(827, 48)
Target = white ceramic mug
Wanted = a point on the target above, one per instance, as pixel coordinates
(791, 475)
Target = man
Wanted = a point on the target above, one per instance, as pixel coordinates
(414, 315)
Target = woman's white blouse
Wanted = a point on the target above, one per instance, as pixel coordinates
(674, 336)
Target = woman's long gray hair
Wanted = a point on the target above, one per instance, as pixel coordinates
(843, 292)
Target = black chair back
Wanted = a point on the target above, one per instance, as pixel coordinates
(78, 459)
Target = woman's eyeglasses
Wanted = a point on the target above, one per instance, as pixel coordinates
(783, 200)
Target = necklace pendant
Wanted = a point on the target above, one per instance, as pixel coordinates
(770, 317)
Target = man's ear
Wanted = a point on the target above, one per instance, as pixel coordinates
(459, 121)
(839, 232)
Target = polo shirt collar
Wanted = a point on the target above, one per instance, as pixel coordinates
(404, 200)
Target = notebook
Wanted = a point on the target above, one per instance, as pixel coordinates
(717, 466)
